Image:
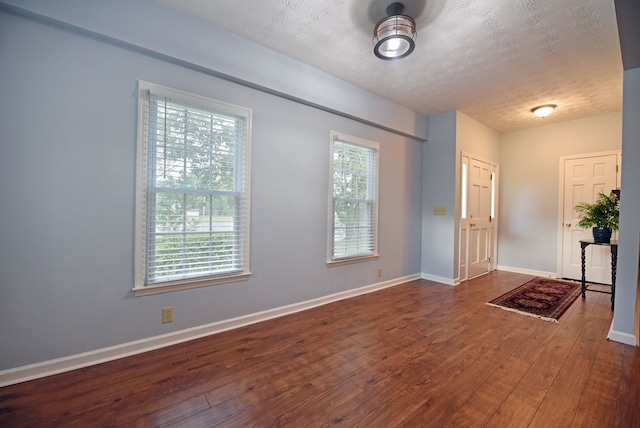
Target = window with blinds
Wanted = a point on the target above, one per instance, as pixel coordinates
(353, 226)
(193, 190)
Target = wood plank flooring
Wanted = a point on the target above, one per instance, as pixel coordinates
(420, 354)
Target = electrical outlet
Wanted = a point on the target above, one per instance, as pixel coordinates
(379, 272)
(439, 210)
(167, 314)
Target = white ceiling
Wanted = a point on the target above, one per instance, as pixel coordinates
(493, 60)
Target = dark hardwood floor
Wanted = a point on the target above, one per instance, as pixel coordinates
(419, 354)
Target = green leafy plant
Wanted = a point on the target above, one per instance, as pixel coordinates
(604, 212)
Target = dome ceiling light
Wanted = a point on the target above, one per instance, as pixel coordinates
(543, 111)
(394, 35)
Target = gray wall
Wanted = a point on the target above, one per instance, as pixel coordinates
(628, 251)
(529, 181)
(438, 190)
(450, 134)
(474, 138)
(67, 181)
(168, 33)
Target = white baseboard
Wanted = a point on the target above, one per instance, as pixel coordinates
(72, 362)
(618, 336)
(440, 279)
(528, 271)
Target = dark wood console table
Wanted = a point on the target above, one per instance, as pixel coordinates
(584, 243)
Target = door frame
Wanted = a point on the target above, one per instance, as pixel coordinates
(562, 160)
(463, 259)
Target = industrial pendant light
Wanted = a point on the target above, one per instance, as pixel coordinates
(394, 36)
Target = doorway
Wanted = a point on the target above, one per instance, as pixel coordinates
(582, 177)
(478, 216)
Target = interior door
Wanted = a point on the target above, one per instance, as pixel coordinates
(479, 217)
(584, 178)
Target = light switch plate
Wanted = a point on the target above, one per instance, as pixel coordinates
(439, 210)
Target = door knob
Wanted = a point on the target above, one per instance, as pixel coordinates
(568, 224)
(472, 225)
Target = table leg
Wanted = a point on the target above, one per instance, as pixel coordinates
(583, 246)
(614, 264)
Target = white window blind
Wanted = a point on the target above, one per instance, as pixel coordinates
(354, 198)
(193, 207)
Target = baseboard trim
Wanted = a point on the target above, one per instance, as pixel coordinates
(527, 271)
(440, 279)
(85, 359)
(618, 336)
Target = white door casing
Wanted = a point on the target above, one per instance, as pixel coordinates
(479, 207)
(463, 272)
(478, 231)
(582, 178)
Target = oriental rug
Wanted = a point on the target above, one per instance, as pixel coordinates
(543, 298)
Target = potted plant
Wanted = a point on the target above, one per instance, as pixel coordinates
(602, 216)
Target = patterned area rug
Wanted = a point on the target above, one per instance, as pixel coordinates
(543, 298)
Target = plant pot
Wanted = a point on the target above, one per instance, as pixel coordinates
(601, 235)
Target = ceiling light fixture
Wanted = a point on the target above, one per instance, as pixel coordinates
(543, 111)
(394, 35)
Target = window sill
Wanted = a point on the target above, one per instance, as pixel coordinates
(351, 260)
(186, 285)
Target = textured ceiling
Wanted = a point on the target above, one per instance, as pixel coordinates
(493, 60)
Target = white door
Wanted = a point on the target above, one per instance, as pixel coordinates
(584, 178)
(476, 227)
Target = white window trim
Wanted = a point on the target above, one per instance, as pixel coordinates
(140, 288)
(360, 258)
